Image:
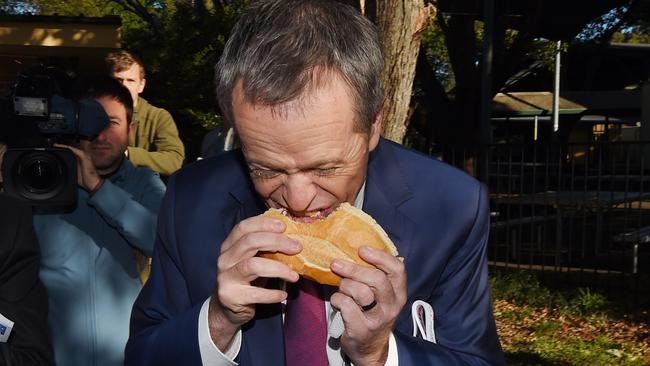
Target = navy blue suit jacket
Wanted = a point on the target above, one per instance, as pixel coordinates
(436, 215)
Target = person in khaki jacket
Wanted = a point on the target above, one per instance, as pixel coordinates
(155, 143)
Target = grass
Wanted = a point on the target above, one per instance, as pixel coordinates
(541, 326)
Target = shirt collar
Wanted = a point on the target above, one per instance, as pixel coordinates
(141, 102)
(122, 172)
(358, 202)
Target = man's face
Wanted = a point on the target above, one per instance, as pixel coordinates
(131, 79)
(107, 150)
(304, 155)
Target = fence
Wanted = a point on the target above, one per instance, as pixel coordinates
(582, 209)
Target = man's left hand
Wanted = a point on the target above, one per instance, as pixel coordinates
(367, 332)
(87, 175)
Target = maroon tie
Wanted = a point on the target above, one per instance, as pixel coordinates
(305, 326)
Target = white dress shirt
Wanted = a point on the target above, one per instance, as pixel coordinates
(212, 356)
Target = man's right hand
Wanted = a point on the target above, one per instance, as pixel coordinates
(234, 300)
(87, 176)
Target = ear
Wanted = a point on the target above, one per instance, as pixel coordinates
(375, 129)
(143, 82)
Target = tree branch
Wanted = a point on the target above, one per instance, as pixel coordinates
(140, 10)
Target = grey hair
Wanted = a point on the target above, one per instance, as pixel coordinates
(280, 48)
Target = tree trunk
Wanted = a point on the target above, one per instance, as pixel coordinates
(400, 23)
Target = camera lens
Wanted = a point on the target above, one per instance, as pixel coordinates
(40, 175)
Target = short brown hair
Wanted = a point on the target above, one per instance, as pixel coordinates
(119, 61)
(278, 47)
(105, 86)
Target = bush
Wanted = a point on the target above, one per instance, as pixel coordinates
(589, 302)
(521, 288)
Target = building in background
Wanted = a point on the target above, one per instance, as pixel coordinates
(75, 46)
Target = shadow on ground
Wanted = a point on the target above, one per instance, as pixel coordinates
(530, 359)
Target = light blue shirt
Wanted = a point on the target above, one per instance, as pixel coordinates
(89, 267)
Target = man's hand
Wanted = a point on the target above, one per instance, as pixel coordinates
(233, 303)
(87, 176)
(366, 335)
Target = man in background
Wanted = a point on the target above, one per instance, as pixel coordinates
(88, 261)
(155, 143)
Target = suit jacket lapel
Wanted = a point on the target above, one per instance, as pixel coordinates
(386, 190)
(246, 201)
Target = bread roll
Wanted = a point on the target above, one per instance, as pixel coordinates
(339, 235)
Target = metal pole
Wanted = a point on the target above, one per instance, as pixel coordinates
(645, 121)
(486, 90)
(556, 89)
(486, 71)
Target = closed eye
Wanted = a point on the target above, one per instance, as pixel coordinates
(257, 173)
(323, 172)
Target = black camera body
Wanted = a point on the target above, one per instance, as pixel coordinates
(34, 118)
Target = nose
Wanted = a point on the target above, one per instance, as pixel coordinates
(101, 137)
(299, 193)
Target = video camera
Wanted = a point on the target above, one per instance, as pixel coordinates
(33, 118)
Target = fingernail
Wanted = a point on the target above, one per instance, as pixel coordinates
(296, 277)
(365, 251)
(337, 265)
(278, 225)
(295, 245)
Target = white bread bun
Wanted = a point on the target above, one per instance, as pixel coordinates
(339, 235)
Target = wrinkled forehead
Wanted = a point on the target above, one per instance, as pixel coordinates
(306, 97)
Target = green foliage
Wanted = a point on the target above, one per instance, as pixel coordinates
(587, 352)
(89, 8)
(517, 315)
(433, 42)
(180, 60)
(547, 328)
(640, 37)
(180, 63)
(542, 326)
(588, 302)
(544, 51)
(553, 350)
(207, 120)
(194, 124)
(521, 288)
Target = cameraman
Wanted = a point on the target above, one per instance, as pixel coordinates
(88, 263)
